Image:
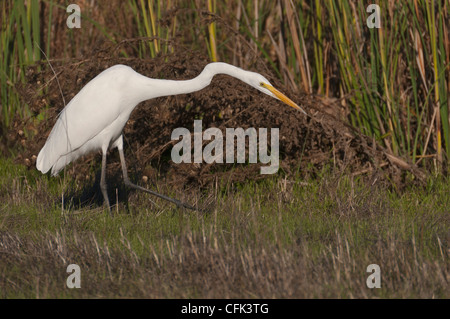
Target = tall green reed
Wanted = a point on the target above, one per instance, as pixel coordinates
(393, 82)
(20, 41)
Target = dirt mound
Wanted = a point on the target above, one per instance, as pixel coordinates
(307, 143)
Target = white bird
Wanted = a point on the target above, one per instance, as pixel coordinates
(94, 119)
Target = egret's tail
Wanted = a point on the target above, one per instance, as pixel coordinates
(41, 163)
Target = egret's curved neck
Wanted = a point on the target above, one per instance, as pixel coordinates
(152, 88)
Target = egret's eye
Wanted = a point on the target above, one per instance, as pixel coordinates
(261, 84)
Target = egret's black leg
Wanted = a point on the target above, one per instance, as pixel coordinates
(130, 184)
(103, 182)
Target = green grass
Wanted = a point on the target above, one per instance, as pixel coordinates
(276, 238)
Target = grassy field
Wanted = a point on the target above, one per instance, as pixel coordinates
(280, 238)
(286, 236)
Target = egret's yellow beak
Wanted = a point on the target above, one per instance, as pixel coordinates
(282, 97)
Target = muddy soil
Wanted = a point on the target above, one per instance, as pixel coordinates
(307, 143)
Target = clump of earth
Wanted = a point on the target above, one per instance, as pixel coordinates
(307, 144)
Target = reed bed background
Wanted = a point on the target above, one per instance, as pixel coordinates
(391, 82)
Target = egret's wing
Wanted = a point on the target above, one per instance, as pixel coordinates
(95, 107)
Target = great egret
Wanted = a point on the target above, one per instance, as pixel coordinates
(94, 119)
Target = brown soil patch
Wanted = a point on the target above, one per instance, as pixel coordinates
(307, 144)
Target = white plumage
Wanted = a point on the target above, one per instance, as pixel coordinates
(94, 119)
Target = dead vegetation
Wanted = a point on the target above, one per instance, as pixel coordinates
(191, 267)
(278, 240)
(307, 144)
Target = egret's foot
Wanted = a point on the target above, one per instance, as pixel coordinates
(167, 198)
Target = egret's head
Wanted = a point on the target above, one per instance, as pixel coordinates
(262, 84)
